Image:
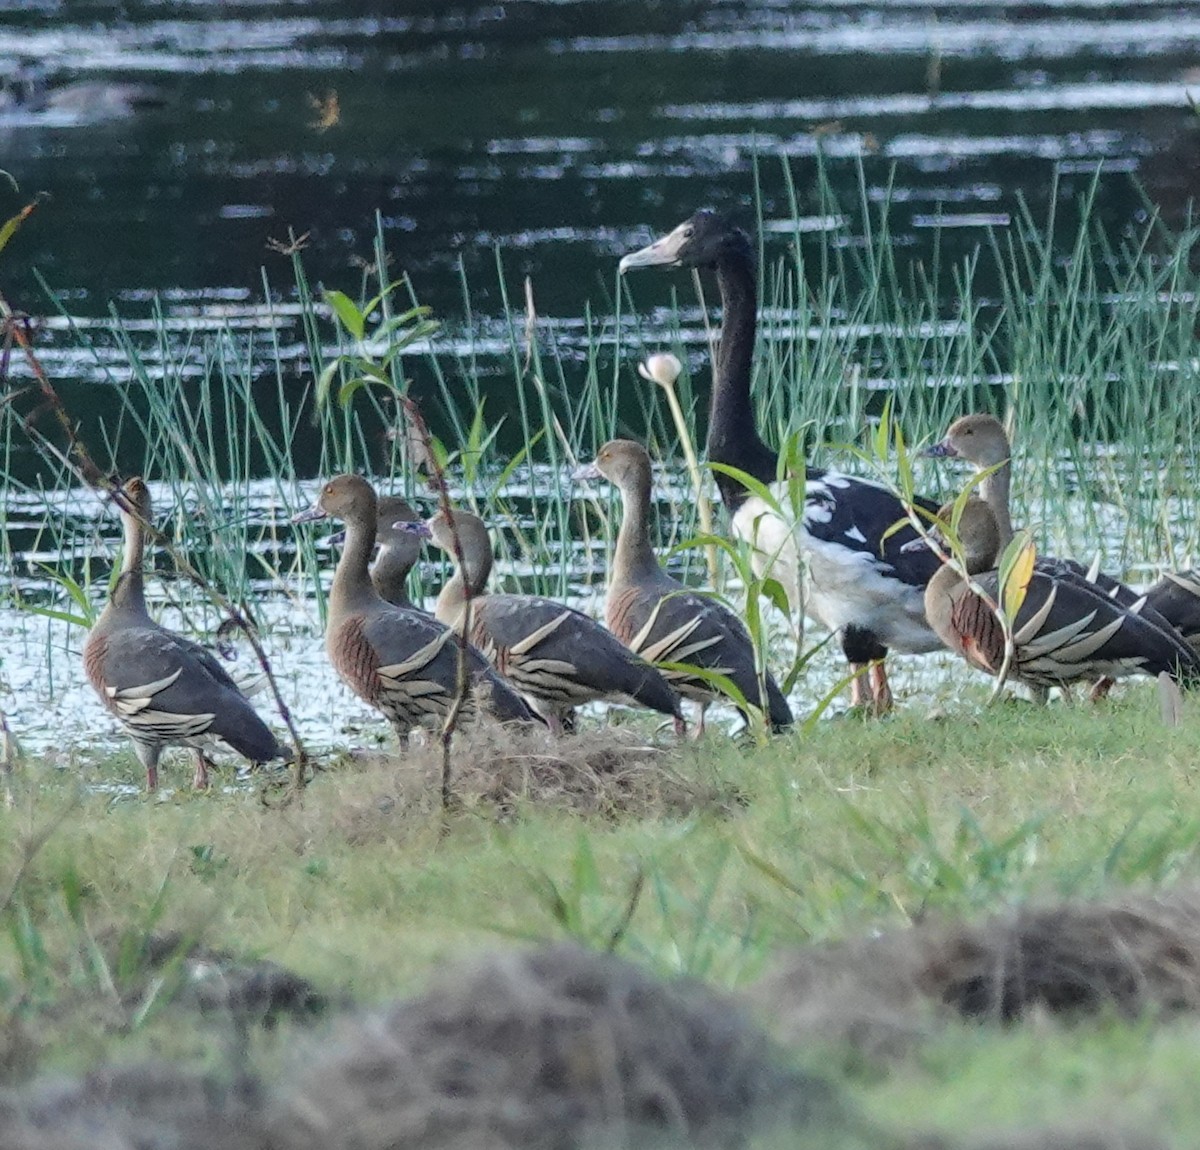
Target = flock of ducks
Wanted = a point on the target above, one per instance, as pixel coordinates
(841, 558)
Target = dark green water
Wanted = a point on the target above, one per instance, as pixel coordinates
(558, 134)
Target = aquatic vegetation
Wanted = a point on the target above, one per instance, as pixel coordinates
(1083, 332)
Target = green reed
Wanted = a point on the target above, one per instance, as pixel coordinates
(1082, 333)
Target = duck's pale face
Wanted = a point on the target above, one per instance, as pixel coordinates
(979, 439)
(136, 497)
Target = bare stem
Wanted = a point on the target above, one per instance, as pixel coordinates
(420, 438)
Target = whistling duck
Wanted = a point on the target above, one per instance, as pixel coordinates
(163, 688)
(1176, 596)
(1066, 630)
(398, 551)
(860, 583)
(980, 440)
(664, 621)
(555, 656)
(401, 661)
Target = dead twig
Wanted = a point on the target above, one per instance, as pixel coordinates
(420, 444)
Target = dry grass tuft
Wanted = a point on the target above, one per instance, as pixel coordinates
(1133, 954)
(860, 996)
(133, 1108)
(610, 772)
(558, 1047)
(1130, 955)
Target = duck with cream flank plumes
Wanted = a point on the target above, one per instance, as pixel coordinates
(1065, 631)
(555, 656)
(401, 661)
(1172, 604)
(981, 441)
(165, 689)
(858, 579)
(659, 618)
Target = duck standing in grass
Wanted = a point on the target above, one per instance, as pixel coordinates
(164, 689)
(555, 656)
(859, 580)
(400, 660)
(980, 440)
(1065, 631)
(664, 621)
(1172, 604)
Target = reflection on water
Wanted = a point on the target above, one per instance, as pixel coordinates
(549, 129)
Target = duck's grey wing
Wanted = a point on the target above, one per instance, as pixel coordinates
(154, 681)
(1176, 597)
(406, 661)
(557, 654)
(668, 623)
(1066, 630)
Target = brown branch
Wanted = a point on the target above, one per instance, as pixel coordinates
(421, 446)
(80, 462)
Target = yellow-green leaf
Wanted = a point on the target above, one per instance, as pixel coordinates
(1020, 571)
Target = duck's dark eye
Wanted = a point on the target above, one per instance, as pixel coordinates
(688, 233)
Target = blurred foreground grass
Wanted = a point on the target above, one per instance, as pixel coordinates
(739, 854)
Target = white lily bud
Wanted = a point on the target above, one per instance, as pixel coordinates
(663, 369)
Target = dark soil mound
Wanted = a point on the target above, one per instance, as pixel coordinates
(560, 1047)
(1129, 955)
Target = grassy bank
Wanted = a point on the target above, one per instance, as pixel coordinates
(707, 860)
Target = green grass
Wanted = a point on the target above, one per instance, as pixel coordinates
(861, 827)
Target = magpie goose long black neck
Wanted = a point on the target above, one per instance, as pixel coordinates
(733, 438)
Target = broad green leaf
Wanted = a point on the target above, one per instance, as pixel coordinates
(9, 228)
(715, 679)
(376, 300)
(62, 616)
(516, 461)
(754, 486)
(348, 389)
(773, 590)
(345, 309)
(422, 330)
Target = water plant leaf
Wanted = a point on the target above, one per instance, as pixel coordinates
(715, 679)
(772, 589)
(371, 304)
(325, 381)
(347, 312)
(9, 228)
(748, 481)
(518, 458)
(348, 389)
